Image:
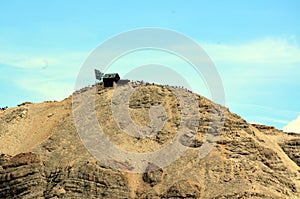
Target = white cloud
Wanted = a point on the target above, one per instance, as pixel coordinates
(48, 76)
(268, 51)
(293, 126)
(34, 60)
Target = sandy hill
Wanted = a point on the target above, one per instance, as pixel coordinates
(43, 156)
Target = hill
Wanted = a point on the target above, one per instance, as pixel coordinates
(44, 157)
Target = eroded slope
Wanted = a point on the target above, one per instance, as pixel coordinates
(248, 161)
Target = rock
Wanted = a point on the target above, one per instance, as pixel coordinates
(22, 159)
(292, 149)
(24, 103)
(190, 141)
(50, 115)
(153, 174)
(25, 176)
(183, 189)
(22, 176)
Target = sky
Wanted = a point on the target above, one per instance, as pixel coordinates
(254, 45)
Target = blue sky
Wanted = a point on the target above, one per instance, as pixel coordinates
(255, 46)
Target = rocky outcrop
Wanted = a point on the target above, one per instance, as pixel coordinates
(153, 174)
(292, 149)
(183, 189)
(270, 130)
(25, 176)
(86, 181)
(22, 176)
